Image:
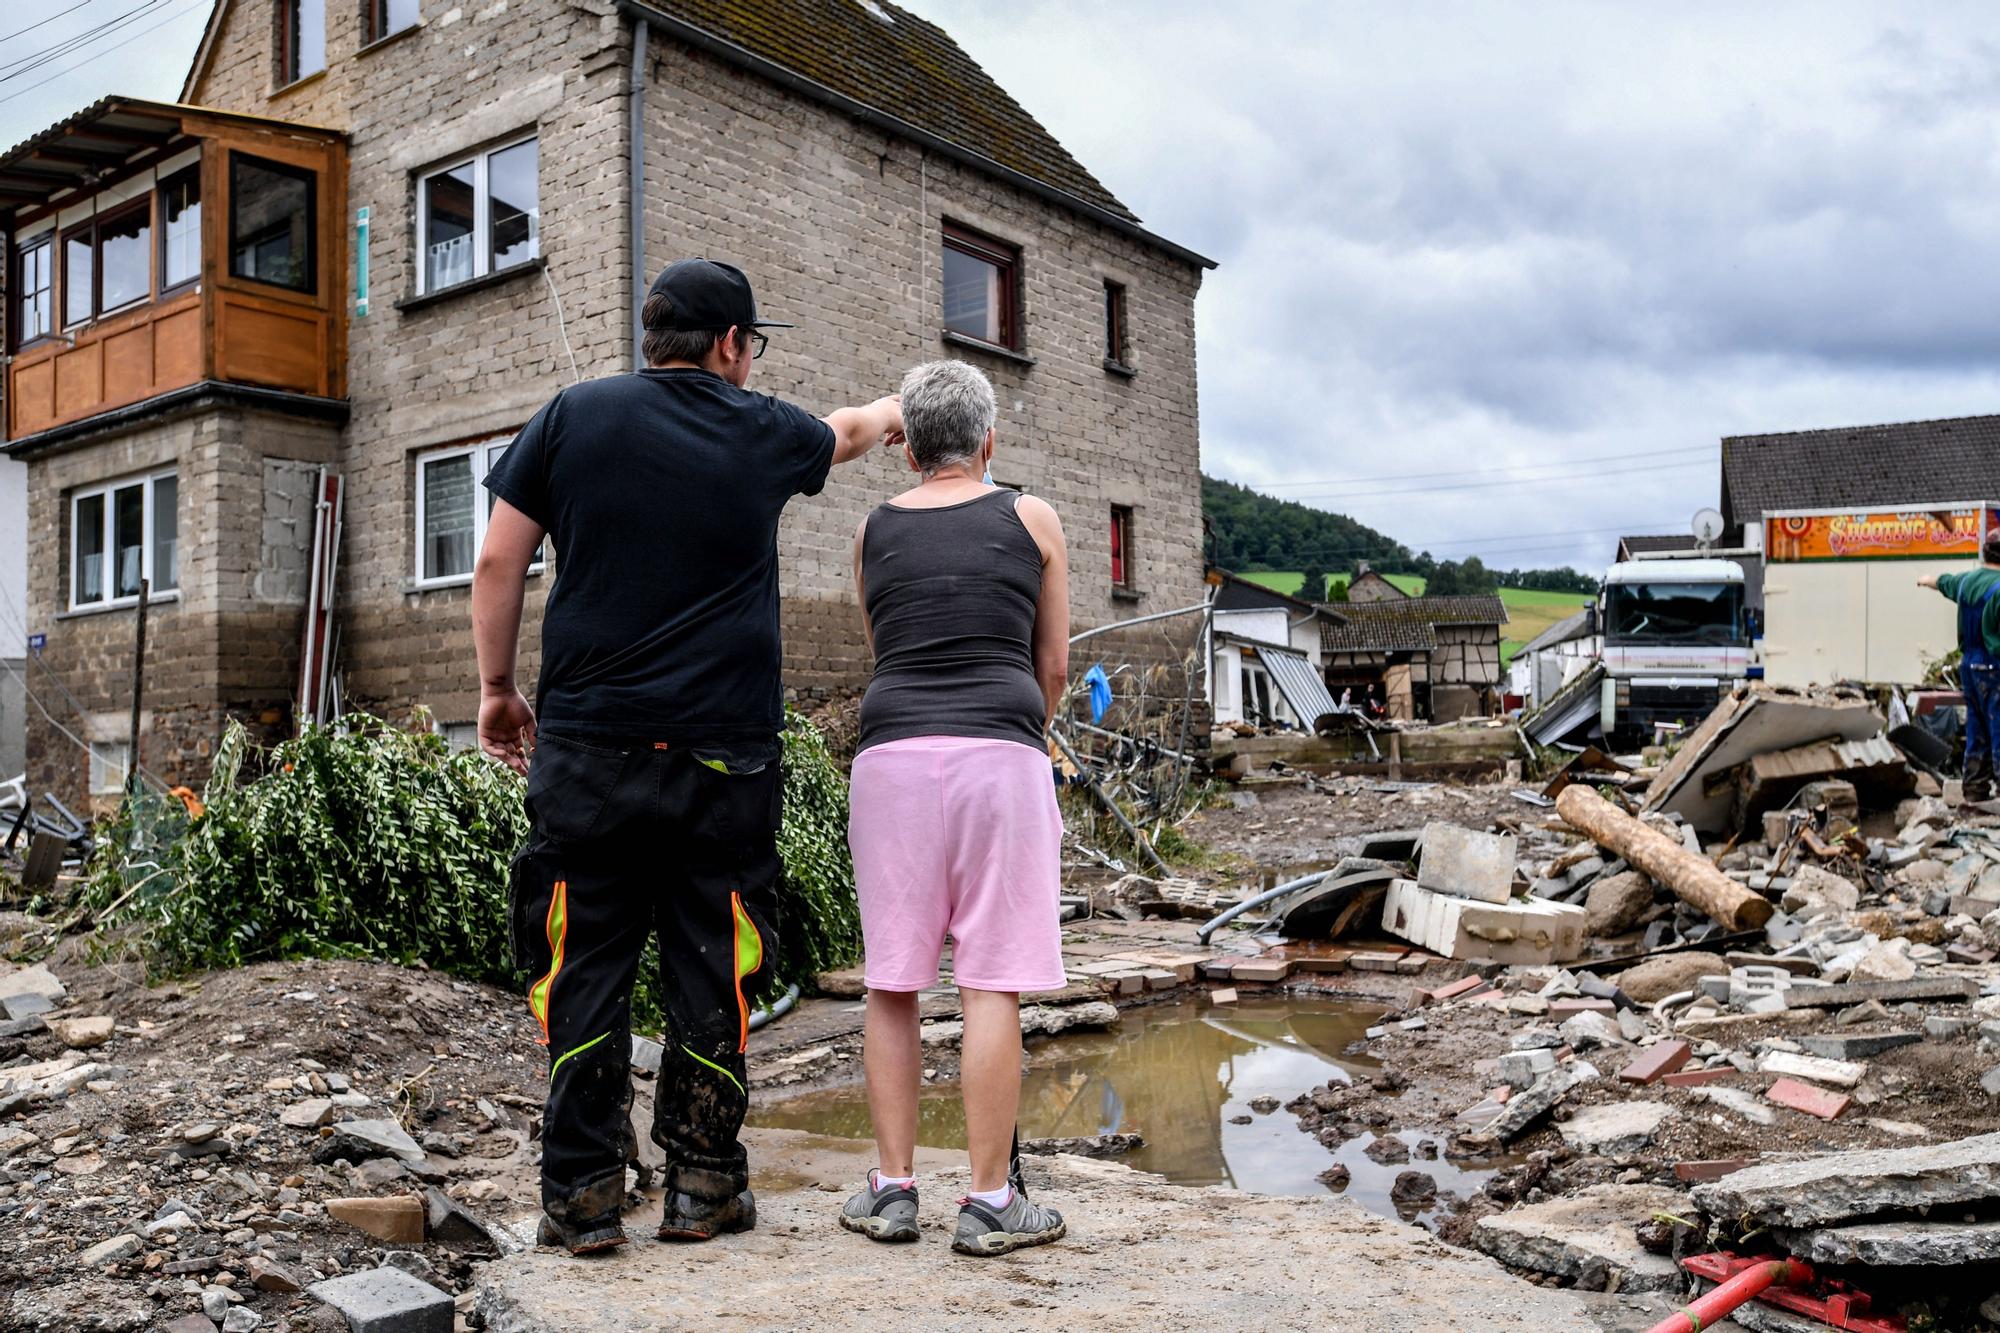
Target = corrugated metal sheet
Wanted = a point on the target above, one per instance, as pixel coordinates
(1299, 682)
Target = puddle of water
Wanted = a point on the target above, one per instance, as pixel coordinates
(1179, 1075)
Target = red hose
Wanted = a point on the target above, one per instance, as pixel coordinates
(1704, 1310)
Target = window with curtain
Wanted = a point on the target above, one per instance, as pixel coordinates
(34, 289)
(180, 228)
(479, 216)
(453, 507)
(124, 534)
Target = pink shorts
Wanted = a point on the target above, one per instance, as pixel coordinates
(962, 836)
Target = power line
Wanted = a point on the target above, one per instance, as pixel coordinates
(153, 27)
(76, 42)
(1515, 467)
(41, 22)
(1587, 474)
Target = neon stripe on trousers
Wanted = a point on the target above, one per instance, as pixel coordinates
(749, 957)
(557, 929)
(575, 1051)
(717, 1068)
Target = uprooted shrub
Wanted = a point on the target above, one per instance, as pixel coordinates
(360, 840)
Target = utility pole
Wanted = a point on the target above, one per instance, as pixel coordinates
(138, 688)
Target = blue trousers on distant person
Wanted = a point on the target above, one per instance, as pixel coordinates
(1981, 683)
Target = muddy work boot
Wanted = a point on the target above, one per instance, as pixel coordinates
(885, 1214)
(985, 1231)
(587, 1221)
(689, 1218)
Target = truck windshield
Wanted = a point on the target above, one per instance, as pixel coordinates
(1703, 613)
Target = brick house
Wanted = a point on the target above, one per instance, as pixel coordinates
(423, 218)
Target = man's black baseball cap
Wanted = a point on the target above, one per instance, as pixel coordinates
(707, 295)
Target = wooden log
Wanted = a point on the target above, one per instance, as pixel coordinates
(1692, 876)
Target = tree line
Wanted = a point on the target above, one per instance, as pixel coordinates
(1250, 533)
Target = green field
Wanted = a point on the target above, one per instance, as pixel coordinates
(1528, 612)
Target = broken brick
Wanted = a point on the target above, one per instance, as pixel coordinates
(1694, 1173)
(1804, 1097)
(1462, 987)
(1260, 969)
(1561, 1009)
(1695, 1078)
(1657, 1061)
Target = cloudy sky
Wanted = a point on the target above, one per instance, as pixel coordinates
(1494, 277)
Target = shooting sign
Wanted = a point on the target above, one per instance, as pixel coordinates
(1938, 534)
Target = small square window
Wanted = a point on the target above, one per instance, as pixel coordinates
(982, 288)
(1121, 547)
(1114, 323)
(108, 762)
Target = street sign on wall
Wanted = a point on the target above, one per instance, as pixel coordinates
(1899, 534)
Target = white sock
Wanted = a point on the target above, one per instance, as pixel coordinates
(996, 1199)
(883, 1182)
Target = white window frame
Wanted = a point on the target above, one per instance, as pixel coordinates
(482, 215)
(108, 758)
(483, 453)
(148, 482)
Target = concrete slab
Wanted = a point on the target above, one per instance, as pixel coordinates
(1589, 1238)
(1466, 863)
(1833, 1187)
(1897, 1244)
(1266, 1262)
(1614, 1128)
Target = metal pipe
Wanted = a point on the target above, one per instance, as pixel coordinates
(636, 172)
(1120, 736)
(778, 1010)
(1139, 620)
(1703, 1311)
(1266, 896)
(1104, 797)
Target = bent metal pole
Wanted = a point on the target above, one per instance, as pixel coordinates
(1692, 876)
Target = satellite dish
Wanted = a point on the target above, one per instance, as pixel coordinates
(1707, 527)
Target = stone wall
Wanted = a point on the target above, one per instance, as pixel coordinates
(216, 648)
(838, 226)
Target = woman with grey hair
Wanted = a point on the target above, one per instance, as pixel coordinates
(954, 826)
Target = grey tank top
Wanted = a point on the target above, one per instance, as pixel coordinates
(951, 595)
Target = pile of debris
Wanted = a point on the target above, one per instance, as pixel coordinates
(1783, 939)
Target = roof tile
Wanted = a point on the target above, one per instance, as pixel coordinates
(1403, 625)
(904, 66)
(1911, 462)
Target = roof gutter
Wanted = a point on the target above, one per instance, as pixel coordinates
(703, 40)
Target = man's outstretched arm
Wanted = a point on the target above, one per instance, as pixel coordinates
(506, 722)
(857, 429)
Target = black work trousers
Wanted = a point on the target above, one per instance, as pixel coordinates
(629, 841)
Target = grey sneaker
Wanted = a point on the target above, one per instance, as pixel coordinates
(988, 1231)
(888, 1215)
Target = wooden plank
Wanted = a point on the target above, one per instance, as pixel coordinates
(261, 342)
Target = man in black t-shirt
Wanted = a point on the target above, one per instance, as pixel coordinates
(654, 789)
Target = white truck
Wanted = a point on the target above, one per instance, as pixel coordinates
(1674, 639)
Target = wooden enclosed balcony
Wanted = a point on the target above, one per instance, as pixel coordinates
(151, 247)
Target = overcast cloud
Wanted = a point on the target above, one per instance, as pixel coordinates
(1494, 277)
